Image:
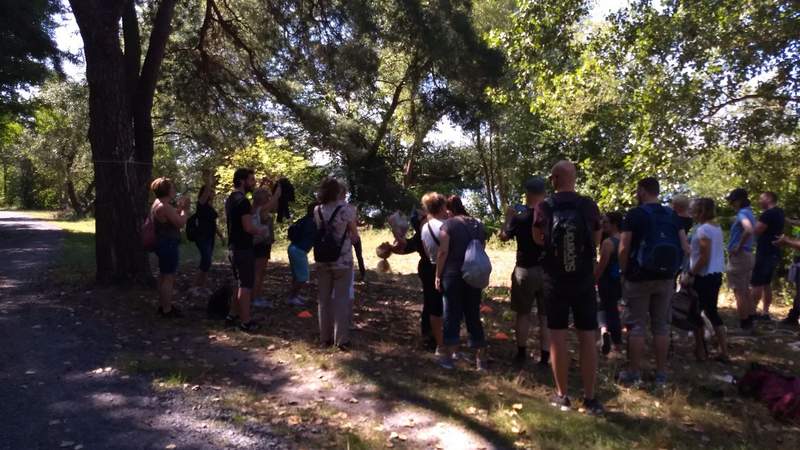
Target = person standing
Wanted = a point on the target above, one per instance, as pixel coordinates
(527, 279)
(740, 256)
(207, 230)
(168, 221)
(301, 239)
(265, 202)
(794, 273)
(609, 284)
(680, 204)
(567, 225)
(335, 278)
(768, 256)
(459, 298)
(652, 249)
(707, 263)
(239, 219)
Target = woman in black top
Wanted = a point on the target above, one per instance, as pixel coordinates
(609, 283)
(206, 231)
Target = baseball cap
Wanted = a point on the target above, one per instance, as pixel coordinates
(535, 185)
(737, 194)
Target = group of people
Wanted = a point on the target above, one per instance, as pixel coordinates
(568, 256)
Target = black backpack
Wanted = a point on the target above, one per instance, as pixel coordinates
(569, 236)
(327, 248)
(686, 310)
(192, 227)
(295, 232)
(220, 302)
(660, 253)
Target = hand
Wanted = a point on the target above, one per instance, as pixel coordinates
(781, 241)
(183, 203)
(439, 284)
(686, 279)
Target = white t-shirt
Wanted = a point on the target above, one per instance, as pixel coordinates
(716, 262)
(431, 246)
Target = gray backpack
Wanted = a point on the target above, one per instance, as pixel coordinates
(477, 268)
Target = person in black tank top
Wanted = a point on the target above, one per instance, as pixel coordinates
(609, 284)
(168, 221)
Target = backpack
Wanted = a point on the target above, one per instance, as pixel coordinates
(659, 253)
(192, 227)
(686, 310)
(295, 232)
(148, 234)
(327, 248)
(220, 302)
(781, 393)
(569, 235)
(477, 268)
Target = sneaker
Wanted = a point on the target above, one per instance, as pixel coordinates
(661, 379)
(261, 302)
(173, 313)
(296, 301)
(561, 402)
(606, 348)
(629, 378)
(249, 327)
(593, 407)
(481, 365)
(446, 361)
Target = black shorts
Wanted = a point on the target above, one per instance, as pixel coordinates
(764, 270)
(431, 298)
(245, 266)
(578, 296)
(261, 251)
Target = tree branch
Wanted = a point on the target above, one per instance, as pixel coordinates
(133, 49)
(717, 108)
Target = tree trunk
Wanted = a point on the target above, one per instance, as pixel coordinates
(120, 129)
(486, 171)
(72, 196)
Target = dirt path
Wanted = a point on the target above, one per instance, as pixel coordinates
(56, 387)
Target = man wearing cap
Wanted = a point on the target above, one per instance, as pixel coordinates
(527, 280)
(740, 256)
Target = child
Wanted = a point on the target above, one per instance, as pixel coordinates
(264, 204)
(301, 239)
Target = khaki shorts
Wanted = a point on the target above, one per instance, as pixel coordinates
(648, 300)
(527, 287)
(740, 270)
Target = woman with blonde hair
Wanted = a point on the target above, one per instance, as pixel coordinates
(168, 221)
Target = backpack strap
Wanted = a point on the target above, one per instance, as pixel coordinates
(433, 235)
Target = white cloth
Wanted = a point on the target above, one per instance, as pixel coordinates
(716, 261)
(431, 247)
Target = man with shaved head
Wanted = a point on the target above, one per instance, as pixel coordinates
(568, 226)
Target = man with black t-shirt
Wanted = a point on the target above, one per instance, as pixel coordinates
(238, 214)
(527, 280)
(652, 248)
(768, 228)
(567, 225)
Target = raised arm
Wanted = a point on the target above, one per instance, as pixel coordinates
(505, 235)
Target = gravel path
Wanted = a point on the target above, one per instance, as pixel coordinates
(57, 389)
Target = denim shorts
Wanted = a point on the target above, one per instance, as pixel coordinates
(298, 262)
(167, 252)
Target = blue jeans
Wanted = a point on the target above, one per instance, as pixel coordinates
(462, 301)
(206, 248)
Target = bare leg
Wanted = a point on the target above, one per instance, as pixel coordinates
(522, 329)
(165, 292)
(661, 344)
(742, 303)
(244, 304)
(588, 358)
(436, 330)
(757, 292)
(560, 359)
(261, 265)
(767, 298)
(635, 352)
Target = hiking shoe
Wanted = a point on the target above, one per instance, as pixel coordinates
(606, 347)
(629, 378)
(593, 407)
(249, 327)
(445, 361)
(295, 301)
(561, 402)
(661, 379)
(173, 313)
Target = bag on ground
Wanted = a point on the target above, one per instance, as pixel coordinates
(477, 267)
(220, 302)
(685, 310)
(781, 393)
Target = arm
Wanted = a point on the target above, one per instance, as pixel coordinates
(684, 242)
(175, 217)
(247, 225)
(784, 241)
(747, 227)
(606, 249)
(760, 228)
(505, 233)
(705, 255)
(441, 257)
(624, 250)
(352, 227)
(272, 204)
(793, 222)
